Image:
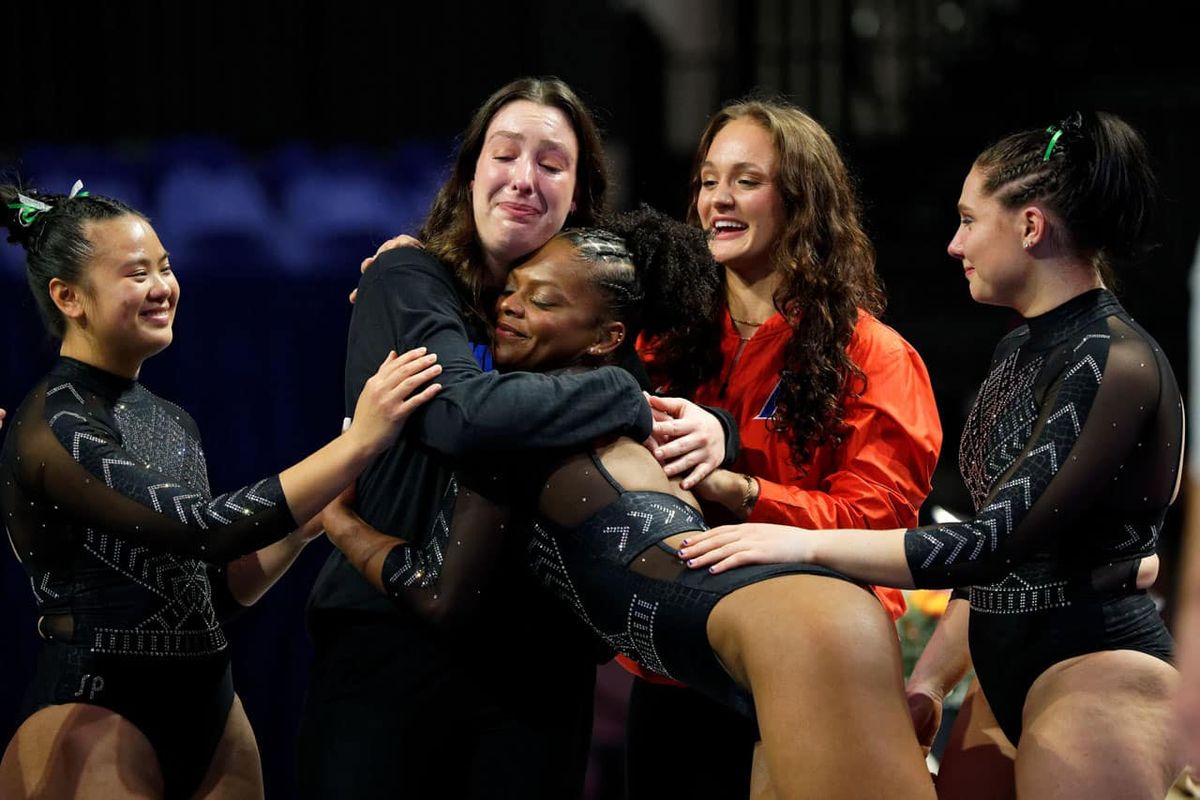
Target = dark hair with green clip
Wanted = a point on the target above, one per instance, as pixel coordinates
(55, 240)
(1091, 171)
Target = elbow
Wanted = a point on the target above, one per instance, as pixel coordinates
(447, 614)
(243, 598)
(218, 551)
(452, 618)
(449, 432)
(456, 444)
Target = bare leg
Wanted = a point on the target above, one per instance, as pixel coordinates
(760, 777)
(1099, 726)
(823, 662)
(236, 771)
(81, 751)
(977, 763)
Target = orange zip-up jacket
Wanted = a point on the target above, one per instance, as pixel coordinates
(879, 475)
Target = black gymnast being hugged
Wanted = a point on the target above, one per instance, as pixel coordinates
(1072, 454)
(606, 523)
(106, 501)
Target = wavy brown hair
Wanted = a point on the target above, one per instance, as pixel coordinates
(449, 230)
(827, 268)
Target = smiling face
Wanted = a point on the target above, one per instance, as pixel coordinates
(126, 302)
(989, 244)
(524, 183)
(549, 314)
(739, 203)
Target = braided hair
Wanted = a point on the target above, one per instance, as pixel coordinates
(1092, 171)
(658, 277)
(56, 244)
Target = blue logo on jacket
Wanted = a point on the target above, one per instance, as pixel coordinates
(768, 409)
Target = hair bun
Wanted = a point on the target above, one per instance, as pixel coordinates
(25, 213)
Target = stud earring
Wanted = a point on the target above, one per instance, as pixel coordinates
(1026, 244)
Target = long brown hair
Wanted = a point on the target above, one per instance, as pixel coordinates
(827, 267)
(449, 230)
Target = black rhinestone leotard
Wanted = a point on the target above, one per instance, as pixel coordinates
(105, 497)
(1072, 455)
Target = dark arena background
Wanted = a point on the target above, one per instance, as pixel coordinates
(274, 145)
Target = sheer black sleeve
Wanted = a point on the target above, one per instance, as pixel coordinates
(225, 605)
(68, 454)
(1090, 440)
(445, 579)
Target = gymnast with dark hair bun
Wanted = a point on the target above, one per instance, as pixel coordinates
(1072, 453)
(606, 521)
(132, 560)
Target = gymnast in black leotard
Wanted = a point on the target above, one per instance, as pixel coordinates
(1072, 455)
(606, 550)
(132, 561)
(606, 524)
(92, 464)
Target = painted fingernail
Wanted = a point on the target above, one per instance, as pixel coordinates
(713, 570)
(686, 542)
(691, 562)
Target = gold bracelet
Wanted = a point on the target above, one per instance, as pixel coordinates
(751, 495)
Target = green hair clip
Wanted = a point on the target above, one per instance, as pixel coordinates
(28, 209)
(1053, 141)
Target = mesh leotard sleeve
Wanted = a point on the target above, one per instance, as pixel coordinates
(1062, 429)
(68, 460)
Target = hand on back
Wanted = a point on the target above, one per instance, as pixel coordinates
(390, 395)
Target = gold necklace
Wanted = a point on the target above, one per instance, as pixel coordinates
(745, 322)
